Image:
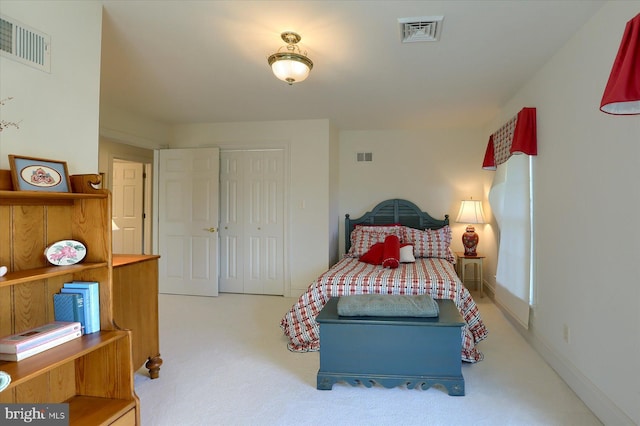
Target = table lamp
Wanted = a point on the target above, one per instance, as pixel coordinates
(470, 213)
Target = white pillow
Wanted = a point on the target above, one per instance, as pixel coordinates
(406, 254)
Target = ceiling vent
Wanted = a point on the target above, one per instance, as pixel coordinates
(425, 28)
(24, 44)
(364, 156)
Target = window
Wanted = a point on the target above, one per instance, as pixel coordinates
(511, 201)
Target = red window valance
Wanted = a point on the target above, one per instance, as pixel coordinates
(517, 136)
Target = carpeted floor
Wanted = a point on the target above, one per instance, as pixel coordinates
(226, 363)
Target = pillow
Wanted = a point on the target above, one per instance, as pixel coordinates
(391, 252)
(365, 236)
(388, 305)
(374, 255)
(406, 253)
(430, 242)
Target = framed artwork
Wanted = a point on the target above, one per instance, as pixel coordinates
(39, 174)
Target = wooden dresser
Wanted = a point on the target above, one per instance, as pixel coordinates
(135, 306)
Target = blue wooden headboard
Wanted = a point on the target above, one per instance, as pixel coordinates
(393, 211)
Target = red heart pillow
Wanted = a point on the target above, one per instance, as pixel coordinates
(373, 255)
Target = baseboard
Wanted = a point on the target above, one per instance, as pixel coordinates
(598, 402)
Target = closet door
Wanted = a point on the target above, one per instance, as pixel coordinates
(252, 225)
(187, 221)
(231, 222)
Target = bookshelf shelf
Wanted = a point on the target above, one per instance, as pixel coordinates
(93, 373)
(19, 277)
(45, 198)
(28, 368)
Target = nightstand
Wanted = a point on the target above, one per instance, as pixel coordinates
(476, 261)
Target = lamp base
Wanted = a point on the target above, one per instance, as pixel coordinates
(470, 241)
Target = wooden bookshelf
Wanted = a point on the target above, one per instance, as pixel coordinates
(93, 374)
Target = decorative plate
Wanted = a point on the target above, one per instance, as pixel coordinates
(65, 252)
(5, 379)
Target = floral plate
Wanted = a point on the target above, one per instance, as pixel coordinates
(65, 252)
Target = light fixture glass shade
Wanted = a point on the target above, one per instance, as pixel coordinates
(290, 67)
(471, 212)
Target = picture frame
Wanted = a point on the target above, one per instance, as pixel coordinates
(39, 174)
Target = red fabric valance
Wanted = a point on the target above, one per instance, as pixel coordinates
(517, 136)
(622, 94)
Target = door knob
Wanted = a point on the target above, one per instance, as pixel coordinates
(210, 229)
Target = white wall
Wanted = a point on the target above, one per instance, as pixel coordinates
(435, 169)
(308, 146)
(586, 183)
(131, 129)
(334, 195)
(56, 110)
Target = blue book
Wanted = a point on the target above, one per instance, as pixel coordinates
(88, 325)
(69, 307)
(91, 293)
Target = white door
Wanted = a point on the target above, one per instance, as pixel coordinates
(188, 221)
(231, 222)
(252, 222)
(128, 211)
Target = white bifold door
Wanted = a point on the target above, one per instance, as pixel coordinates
(251, 221)
(188, 221)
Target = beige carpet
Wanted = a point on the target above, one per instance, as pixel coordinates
(226, 363)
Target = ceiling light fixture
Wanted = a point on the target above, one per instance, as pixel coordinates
(291, 65)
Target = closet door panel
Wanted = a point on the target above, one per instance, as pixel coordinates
(252, 221)
(264, 180)
(188, 221)
(231, 222)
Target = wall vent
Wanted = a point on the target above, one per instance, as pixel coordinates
(364, 156)
(24, 44)
(426, 28)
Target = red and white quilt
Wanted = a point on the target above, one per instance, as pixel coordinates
(432, 276)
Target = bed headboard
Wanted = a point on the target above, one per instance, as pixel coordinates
(393, 211)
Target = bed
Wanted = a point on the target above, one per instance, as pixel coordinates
(431, 273)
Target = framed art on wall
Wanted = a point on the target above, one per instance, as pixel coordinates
(39, 174)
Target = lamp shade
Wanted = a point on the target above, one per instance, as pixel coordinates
(622, 93)
(471, 212)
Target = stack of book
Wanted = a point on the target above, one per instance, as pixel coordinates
(79, 301)
(33, 341)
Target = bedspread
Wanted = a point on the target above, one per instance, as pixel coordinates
(432, 276)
